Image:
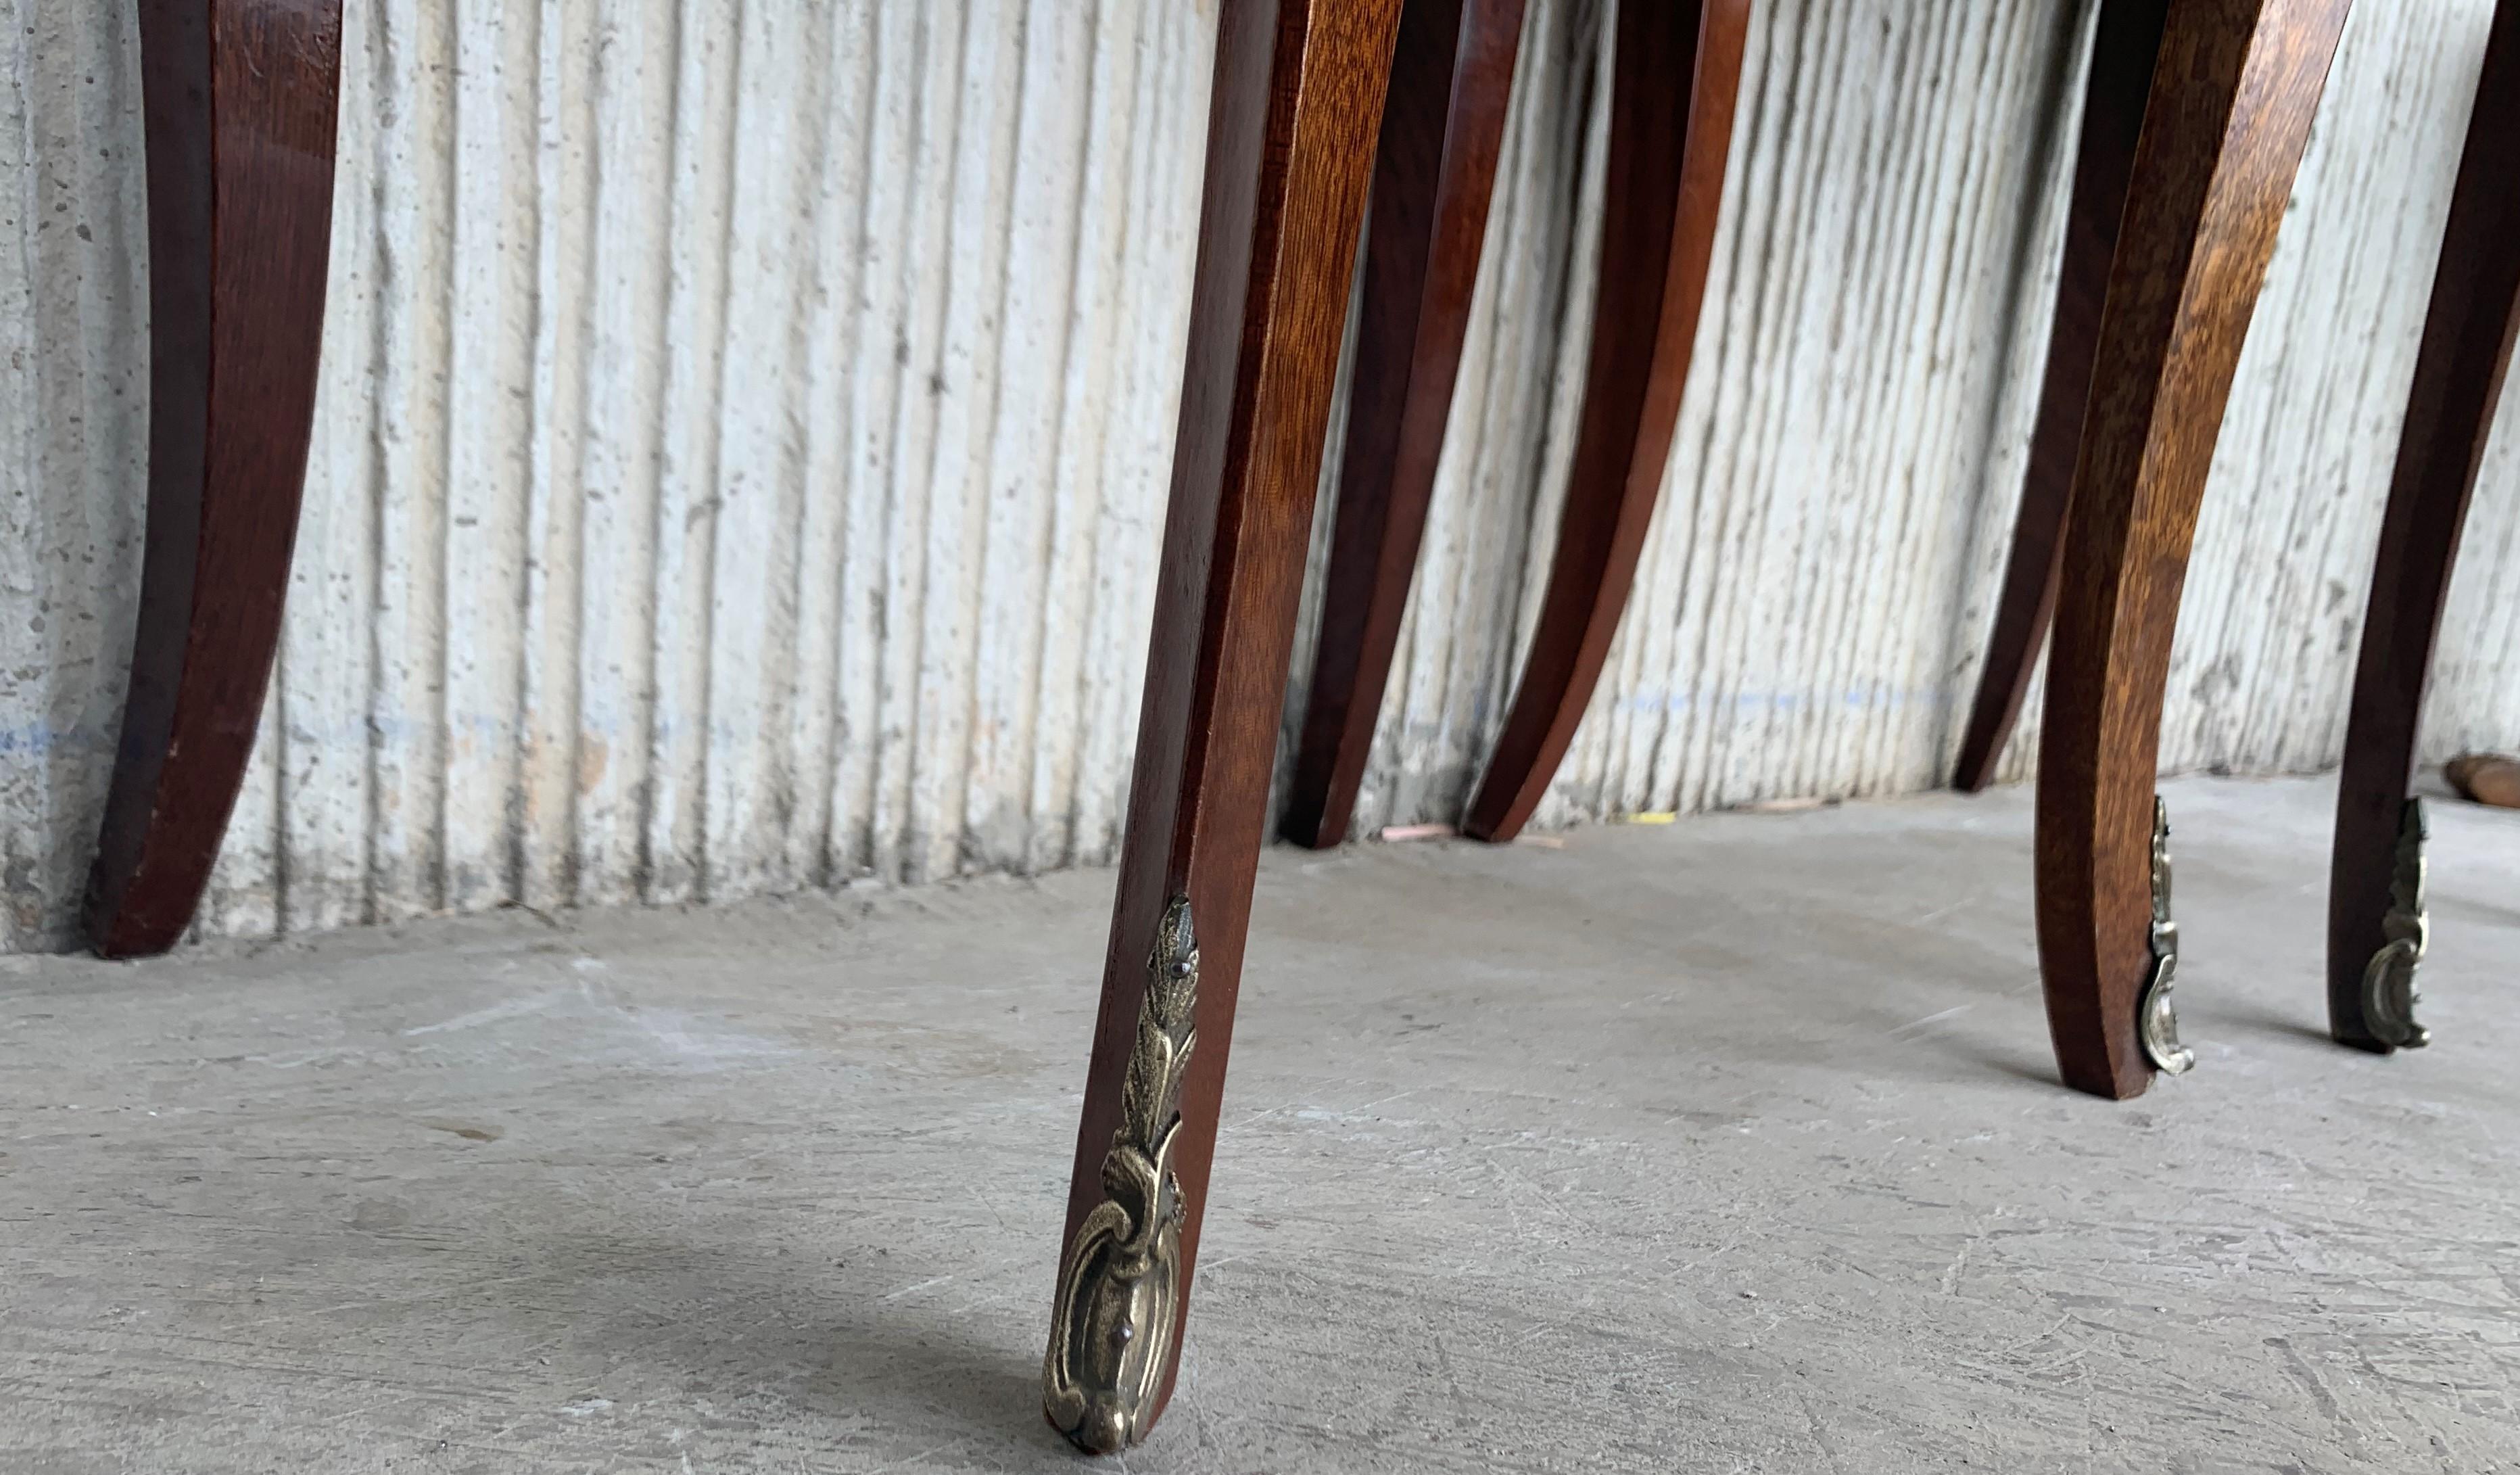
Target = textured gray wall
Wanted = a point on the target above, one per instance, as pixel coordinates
(744, 428)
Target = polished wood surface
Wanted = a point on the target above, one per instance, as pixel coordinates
(2232, 96)
(239, 99)
(2467, 351)
(1669, 144)
(2128, 39)
(1434, 173)
(1299, 92)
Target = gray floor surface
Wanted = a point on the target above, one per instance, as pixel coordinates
(1730, 1145)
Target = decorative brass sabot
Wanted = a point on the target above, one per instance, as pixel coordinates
(2389, 992)
(1118, 1313)
(2157, 1016)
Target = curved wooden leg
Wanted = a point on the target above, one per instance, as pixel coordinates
(2127, 40)
(2468, 334)
(1299, 89)
(2231, 107)
(239, 97)
(1668, 149)
(1452, 77)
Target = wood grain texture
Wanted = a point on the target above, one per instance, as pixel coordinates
(1435, 170)
(2232, 95)
(1669, 144)
(241, 97)
(1299, 98)
(2123, 50)
(1807, 618)
(1433, 173)
(2459, 372)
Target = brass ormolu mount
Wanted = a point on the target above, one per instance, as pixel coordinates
(1118, 1314)
(2157, 1015)
(2389, 992)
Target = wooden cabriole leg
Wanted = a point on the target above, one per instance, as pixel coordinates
(239, 100)
(2121, 78)
(1669, 144)
(1299, 97)
(1434, 170)
(2231, 100)
(2375, 927)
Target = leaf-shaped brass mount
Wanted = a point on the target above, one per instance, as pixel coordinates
(2389, 992)
(1118, 1313)
(2157, 1016)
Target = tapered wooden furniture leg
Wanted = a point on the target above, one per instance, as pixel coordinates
(2375, 908)
(1674, 79)
(2232, 96)
(1433, 173)
(2129, 38)
(1299, 92)
(238, 101)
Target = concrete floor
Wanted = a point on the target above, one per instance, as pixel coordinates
(1732, 1145)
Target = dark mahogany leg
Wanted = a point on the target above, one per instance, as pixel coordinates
(1675, 76)
(1299, 92)
(1433, 172)
(2232, 96)
(239, 97)
(2375, 890)
(2122, 56)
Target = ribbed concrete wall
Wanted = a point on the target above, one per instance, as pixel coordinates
(745, 430)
